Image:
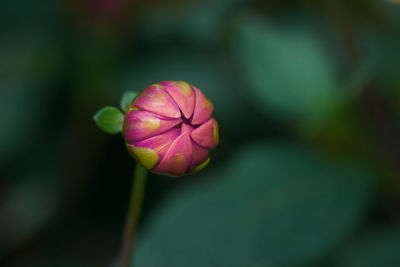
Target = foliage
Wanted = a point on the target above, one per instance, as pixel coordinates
(110, 120)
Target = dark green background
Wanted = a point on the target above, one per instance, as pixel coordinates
(307, 96)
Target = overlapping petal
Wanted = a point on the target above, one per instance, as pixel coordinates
(186, 128)
(203, 108)
(178, 157)
(141, 124)
(160, 143)
(155, 99)
(207, 134)
(199, 155)
(183, 95)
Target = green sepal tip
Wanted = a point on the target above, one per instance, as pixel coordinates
(127, 99)
(110, 120)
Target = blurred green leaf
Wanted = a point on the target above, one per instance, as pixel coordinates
(287, 70)
(24, 107)
(127, 99)
(379, 248)
(382, 54)
(271, 205)
(203, 21)
(390, 10)
(110, 120)
(381, 47)
(26, 209)
(30, 64)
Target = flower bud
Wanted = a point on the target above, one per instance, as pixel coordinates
(168, 128)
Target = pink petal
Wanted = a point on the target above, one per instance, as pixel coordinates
(199, 155)
(186, 128)
(183, 95)
(207, 134)
(160, 143)
(141, 124)
(178, 157)
(155, 99)
(203, 108)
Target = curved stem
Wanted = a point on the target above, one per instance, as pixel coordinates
(132, 218)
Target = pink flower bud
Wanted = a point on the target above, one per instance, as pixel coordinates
(168, 128)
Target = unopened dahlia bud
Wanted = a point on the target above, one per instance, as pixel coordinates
(168, 128)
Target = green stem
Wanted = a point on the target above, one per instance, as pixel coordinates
(132, 218)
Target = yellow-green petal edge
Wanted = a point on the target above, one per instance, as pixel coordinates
(201, 165)
(147, 157)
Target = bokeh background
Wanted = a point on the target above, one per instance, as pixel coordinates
(307, 95)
